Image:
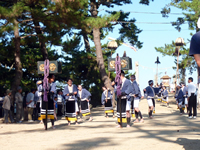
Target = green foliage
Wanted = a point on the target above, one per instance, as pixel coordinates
(56, 19)
(146, 2)
(30, 55)
(190, 10)
(186, 62)
(191, 13)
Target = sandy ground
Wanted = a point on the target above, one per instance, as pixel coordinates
(168, 130)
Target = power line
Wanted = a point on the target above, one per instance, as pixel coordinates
(153, 30)
(155, 13)
(165, 30)
(144, 22)
(144, 67)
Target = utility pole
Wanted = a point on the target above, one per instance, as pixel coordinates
(137, 71)
(157, 62)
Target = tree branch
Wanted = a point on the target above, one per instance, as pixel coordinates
(28, 36)
(4, 24)
(27, 20)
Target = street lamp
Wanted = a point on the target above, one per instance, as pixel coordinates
(112, 45)
(179, 42)
(157, 62)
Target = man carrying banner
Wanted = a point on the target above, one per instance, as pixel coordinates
(50, 95)
(125, 101)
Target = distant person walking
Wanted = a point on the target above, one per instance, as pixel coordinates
(179, 98)
(19, 105)
(7, 105)
(30, 104)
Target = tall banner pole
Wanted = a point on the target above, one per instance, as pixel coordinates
(45, 87)
(118, 80)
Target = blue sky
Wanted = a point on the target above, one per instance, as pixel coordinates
(153, 35)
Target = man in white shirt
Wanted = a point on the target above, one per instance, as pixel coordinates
(30, 104)
(192, 98)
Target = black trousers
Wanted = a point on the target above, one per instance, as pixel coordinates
(35, 114)
(192, 105)
(153, 101)
(38, 109)
(45, 120)
(60, 110)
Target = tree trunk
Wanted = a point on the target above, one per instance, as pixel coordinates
(86, 41)
(183, 78)
(18, 65)
(100, 60)
(97, 42)
(40, 36)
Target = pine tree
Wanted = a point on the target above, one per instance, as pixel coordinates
(94, 26)
(22, 19)
(10, 14)
(191, 13)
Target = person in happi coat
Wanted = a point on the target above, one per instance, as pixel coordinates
(71, 106)
(185, 93)
(39, 85)
(156, 91)
(125, 101)
(150, 94)
(136, 95)
(84, 97)
(160, 93)
(179, 98)
(51, 92)
(106, 100)
(165, 95)
(60, 102)
(55, 107)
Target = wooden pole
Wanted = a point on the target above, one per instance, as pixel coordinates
(177, 64)
(120, 111)
(177, 68)
(46, 102)
(120, 107)
(108, 64)
(157, 75)
(137, 71)
(46, 115)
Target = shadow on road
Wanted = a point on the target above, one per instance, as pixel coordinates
(90, 144)
(165, 127)
(189, 144)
